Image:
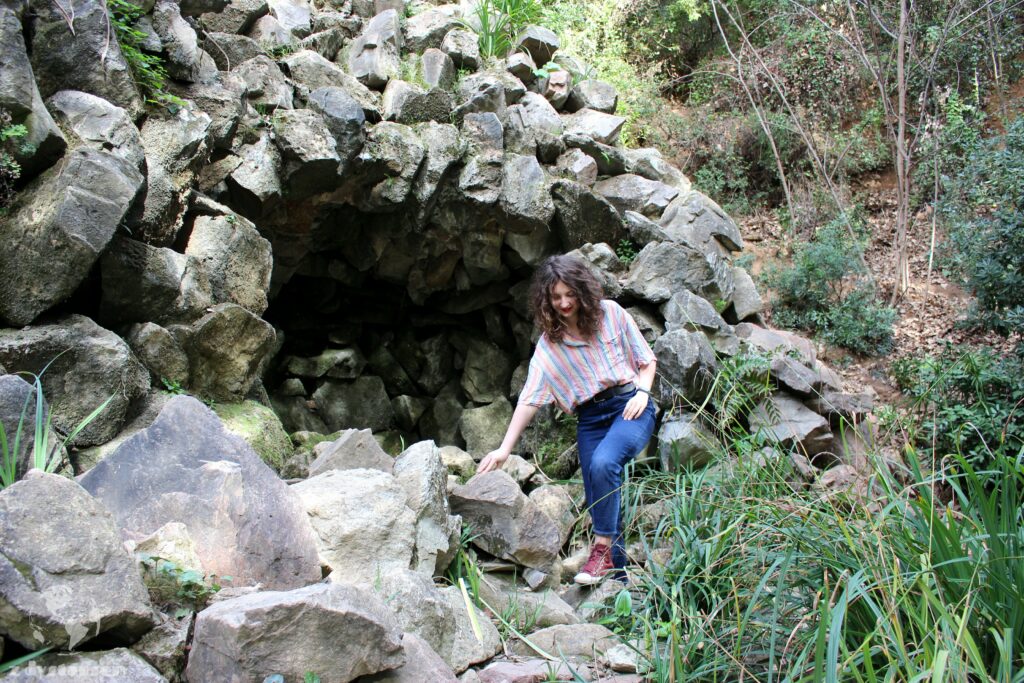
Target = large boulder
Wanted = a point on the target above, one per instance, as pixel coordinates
(236, 258)
(65, 576)
(694, 219)
(592, 94)
(78, 53)
(85, 365)
(421, 473)
(597, 126)
(426, 29)
(409, 103)
(309, 152)
(787, 422)
(226, 348)
(569, 640)
(686, 367)
(525, 198)
(186, 467)
(539, 42)
(340, 632)
(582, 216)
(362, 404)
(184, 60)
(628, 192)
(364, 529)
(662, 269)
(507, 523)
(99, 124)
(539, 608)
(685, 443)
(421, 664)
(261, 429)
(374, 55)
(386, 167)
(483, 428)
(57, 228)
(143, 283)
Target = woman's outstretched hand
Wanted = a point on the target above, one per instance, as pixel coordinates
(636, 405)
(492, 461)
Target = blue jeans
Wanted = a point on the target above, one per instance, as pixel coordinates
(606, 442)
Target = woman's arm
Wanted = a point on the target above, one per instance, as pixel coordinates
(645, 380)
(520, 419)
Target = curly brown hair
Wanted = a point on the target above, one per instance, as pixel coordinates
(575, 274)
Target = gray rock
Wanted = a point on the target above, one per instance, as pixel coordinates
(661, 269)
(610, 160)
(789, 423)
(462, 46)
(326, 628)
(166, 647)
(344, 117)
(265, 85)
(421, 473)
(693, 218)
(228, 50)
(255, 186)
(160, 352)
(425, 30)
(525, 198)
(650, 324)
(648, 162)
(327, 43)
(407, 103)
(487, 371)
(261, 429)
(374, 56)
(541, 608)
(793, 375)
(746, 302)
(629, 192)
(386, 167)
(421, 664)
(592, 94)
(603, 128)
(684, 443)
(642, 230)
(187, 468)
(309, 153)
(222, 101)
(686, 367)
(43, 142)
(576, 165)
(236, 258)
(294, 15)
(56, 590)
(99, 124)
(539, 42)
(838, 405)
(691, 312)
(466, 647)
(185, 60)
(268, 32)
(604, 265)
(582, 217)
(345, 363)
(480, 92)
(119, 664)
(195, 8)
(72, 211)
(176, 147)
(555, 501)
(238, 16)
(570, 640)
(530, 122)
(82, 57)
(508, 524)
(353, 449)
(364, 529)
(480, 179)
(362, 403)
(483, 428)
(141, 283)
(226, 348)
(777, 342)
(441, 422)
(556, 88)
(87, 366)
(522, 66)
(437, 69)
(443, 149)
(297, 414)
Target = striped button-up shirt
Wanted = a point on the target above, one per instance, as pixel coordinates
(573, 371)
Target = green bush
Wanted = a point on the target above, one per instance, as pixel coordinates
(10, 169)
(967, 401)
(147, 69)
(983, 211)
(825, 291)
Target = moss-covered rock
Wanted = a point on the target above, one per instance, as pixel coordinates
(260, 427)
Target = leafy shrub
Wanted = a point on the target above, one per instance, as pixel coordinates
(825, 291)
(171, 585)
(967, 401)
(983, 210)
(10, 169)
(147, 69)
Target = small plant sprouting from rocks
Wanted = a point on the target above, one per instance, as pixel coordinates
(497, 22)
(626, 251)
(148, 70)
(10, 169)
(172, 586)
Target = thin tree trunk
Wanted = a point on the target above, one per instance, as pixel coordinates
(901, 275)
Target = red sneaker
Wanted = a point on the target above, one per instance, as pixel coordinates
(597, 566)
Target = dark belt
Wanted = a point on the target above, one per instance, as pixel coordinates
(605, 394)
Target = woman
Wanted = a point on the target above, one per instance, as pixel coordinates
(590, 360)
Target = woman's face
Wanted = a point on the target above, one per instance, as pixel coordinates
(564, 301)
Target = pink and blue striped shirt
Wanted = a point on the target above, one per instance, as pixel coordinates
(573, 371)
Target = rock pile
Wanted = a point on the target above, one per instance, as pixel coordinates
(335, 216)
